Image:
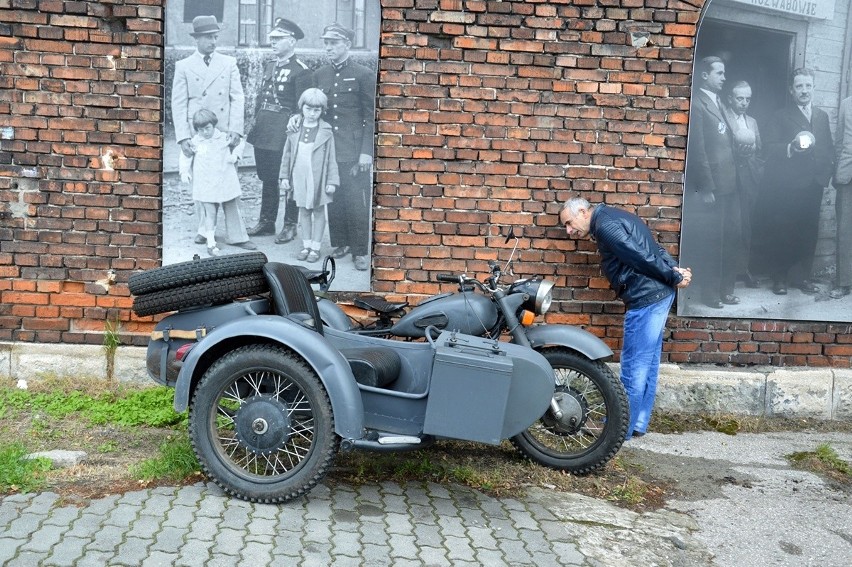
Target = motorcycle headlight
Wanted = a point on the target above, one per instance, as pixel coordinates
(540, 294)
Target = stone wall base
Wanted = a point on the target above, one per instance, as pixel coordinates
(824, 393)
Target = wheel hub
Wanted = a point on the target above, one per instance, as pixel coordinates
(574, 411)
(262, 424)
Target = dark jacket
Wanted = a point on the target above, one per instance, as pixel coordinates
(351, 92)
(639, 270)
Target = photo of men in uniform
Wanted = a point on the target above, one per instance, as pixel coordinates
(249, 64)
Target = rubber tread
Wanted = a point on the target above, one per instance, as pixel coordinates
(195, 271)
(204, 293)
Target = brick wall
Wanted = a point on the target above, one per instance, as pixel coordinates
(489, 113)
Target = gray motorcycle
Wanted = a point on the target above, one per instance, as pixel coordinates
(277, 381)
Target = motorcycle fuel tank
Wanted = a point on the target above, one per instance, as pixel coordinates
(468, 312)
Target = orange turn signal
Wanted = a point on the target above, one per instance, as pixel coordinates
(527, 318)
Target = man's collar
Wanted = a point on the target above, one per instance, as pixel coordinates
(342, 64)
(713, 96)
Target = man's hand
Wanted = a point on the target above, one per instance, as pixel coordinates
(186, 147)
(708, 198)
(686, 274)
(294, 123)
(330, 189)
(233, 140)
(365, 162)
(284, 185)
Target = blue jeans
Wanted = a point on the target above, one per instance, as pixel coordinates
(640, 360)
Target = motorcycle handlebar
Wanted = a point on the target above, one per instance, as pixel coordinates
(447, 278)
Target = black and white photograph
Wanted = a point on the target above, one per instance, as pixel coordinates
(767, 206)
(269, 131)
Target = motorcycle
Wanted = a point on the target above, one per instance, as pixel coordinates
(277, 380)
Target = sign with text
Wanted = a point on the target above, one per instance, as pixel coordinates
(819, 9)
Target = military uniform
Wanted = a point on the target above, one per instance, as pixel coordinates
(277, 101)
(350, 89)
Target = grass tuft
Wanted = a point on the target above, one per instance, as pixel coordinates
(825, 461)
(19, 473)
(176, 462)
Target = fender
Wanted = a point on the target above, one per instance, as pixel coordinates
(574, 338)
(332, 315)
(327, 362)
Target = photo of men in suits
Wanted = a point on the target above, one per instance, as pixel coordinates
(799, 164)
(712, 226)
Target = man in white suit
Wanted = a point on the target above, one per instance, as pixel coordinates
(211, 80)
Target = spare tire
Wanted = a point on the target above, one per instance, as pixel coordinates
(198, 294)
(195, 271)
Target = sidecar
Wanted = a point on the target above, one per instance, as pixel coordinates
(272, 393)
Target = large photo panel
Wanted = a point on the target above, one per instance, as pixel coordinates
(269, 131)
(767, 194)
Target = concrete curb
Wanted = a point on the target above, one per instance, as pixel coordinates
(823, 393)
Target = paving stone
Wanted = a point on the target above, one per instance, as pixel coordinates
(195, 552)
(254, 553)
(62, 516)
(26, 559)
(107, 538)
(48, 536)
(204, 529)
(146, 526)
(159, 559)
(9, 547)
(180, 516)
(67, 551)
(133, 551)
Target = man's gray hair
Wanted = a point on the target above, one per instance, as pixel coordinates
(575, 204)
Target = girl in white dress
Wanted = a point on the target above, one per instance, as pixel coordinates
(212, 170)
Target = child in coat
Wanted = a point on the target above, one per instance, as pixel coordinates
(309, 170)
(212, 170)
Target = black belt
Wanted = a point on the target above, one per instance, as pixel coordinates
(274, 107)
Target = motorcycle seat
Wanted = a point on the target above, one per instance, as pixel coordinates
(373, 366)
(291, 293)
(378, 304)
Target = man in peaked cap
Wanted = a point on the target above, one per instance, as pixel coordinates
(207, 79)
(285, 77)
(350, 89)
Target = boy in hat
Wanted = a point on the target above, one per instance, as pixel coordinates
(285, 78)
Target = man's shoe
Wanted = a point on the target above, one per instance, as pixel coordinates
(200, 239)
(247, 245)
(361, 263)
(839, 292)
(340, 252)
(807, 287)
(287, 234)
(730, 299)
(262, 229)
(779, 288)
(750, 280)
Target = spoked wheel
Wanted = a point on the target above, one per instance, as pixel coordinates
(261, 425)
(594, 417)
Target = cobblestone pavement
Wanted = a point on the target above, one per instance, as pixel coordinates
(740, 504)
(385, 524)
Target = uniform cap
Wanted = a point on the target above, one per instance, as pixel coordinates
(202, 25)
(284, 28)
(337, 31)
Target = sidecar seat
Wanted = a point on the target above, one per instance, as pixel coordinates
(291, 294)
